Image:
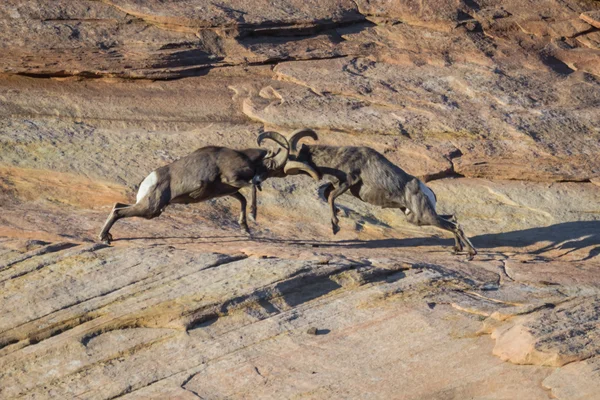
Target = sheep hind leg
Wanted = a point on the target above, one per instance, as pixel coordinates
(242, 221)
(121, 210)
(105, 235)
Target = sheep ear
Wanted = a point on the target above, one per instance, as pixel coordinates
(296, 167)
(271, 154)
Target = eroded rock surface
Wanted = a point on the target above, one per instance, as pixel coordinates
(494, 104)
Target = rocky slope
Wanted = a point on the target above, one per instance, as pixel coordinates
(495, 104)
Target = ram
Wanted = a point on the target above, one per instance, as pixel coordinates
(207, 173)
(374, 179)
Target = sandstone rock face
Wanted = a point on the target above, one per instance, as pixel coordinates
(575, 381)
(493, 104)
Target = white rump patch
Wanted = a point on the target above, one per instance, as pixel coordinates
(148, 183)
(428, 192)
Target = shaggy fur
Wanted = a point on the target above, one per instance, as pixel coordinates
(374, 179)
(205, 174)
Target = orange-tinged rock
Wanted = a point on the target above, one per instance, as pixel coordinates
(73, 190)
(592, 18)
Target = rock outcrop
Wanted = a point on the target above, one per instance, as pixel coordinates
(494, 104)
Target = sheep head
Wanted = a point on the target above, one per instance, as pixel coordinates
(278, 163)
(294, 167)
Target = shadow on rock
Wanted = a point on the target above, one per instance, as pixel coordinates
(366, 244)
(569, 236)
(213, 239)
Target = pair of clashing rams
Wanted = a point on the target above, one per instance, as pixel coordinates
(212, 172)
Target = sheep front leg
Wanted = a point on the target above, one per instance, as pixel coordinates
(459, 235)
(344, 186)
(253, 204)
(242, 220)
(423, 214)
(256, 184)
(458, 246)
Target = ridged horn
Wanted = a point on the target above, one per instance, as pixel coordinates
(299, 134)
(295, 167)
(280, 157)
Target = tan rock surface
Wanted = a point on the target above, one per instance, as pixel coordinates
(495, 105)
(554, 336)
(577, 381)
(592, 18)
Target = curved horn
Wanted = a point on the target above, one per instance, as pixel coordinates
(299, 134)
(295, 167)
(280, 157)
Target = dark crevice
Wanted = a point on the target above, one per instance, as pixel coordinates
(49, 332)
(556, 65)
(299, 288)
(185, 382)
(8, 343)
(199, 61)
(447, 173)
(80, 20)
(66, 325)
(290, 28)
(65, 74)
(185, 58)
(131, 324)
(321, 280)
(583, 180)
(199, 71)
(462, 16)
(87, 338)
(591, 30)
(472, 4)
(203, 320)
(169, 76)
(300, 30)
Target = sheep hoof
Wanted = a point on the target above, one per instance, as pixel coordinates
(244, 228)
(470, 256)
(106, 238)
(335, 228)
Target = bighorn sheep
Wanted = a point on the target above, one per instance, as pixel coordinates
(207, 173)
(374, 179)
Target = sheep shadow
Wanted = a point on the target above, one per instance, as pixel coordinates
(226, 238)
(570, 236)
(372, 244)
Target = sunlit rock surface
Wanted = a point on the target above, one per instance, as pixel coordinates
(494, 104)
